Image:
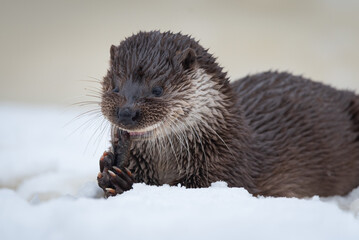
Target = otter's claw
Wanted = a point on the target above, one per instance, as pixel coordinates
(121, 179)
(112, 179)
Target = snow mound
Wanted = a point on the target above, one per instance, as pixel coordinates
(48, 190)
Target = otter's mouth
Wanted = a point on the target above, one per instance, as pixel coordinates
(144, 134)
(147, 132)
(137, 133)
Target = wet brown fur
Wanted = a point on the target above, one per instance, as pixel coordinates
(273, 133)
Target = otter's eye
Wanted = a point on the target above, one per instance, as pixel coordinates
(157, 91)
(115, 90)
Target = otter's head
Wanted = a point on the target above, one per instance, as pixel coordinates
(158, 80)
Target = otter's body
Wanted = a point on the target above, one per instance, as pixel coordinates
(273, 133)
(307, 132)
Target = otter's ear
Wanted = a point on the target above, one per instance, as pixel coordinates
(112, 52)
(187, 58)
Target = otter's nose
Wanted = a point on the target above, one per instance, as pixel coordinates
(128, 116)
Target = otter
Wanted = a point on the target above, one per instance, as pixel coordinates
(177, 119)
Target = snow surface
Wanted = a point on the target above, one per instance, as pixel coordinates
(48, 190)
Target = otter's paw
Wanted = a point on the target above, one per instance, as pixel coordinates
(112, 179)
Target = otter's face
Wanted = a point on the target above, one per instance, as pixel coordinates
(147, 87)
(160, 83)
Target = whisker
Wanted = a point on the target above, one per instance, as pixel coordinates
(85, 124)
(186, 145)
(88, 112)
(104, 127)
(173, 150)
(90, 95)
(162, 142)
(94, 133)
(179, 136)
(85, 103)
(96, 91)
(210, 128)
(204, 153)
(99, 80)
(91, 81)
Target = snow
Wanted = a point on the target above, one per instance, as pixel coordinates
(48, 190)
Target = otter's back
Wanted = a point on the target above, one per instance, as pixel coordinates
(301, 126)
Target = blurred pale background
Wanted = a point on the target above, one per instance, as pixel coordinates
(48, 47)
